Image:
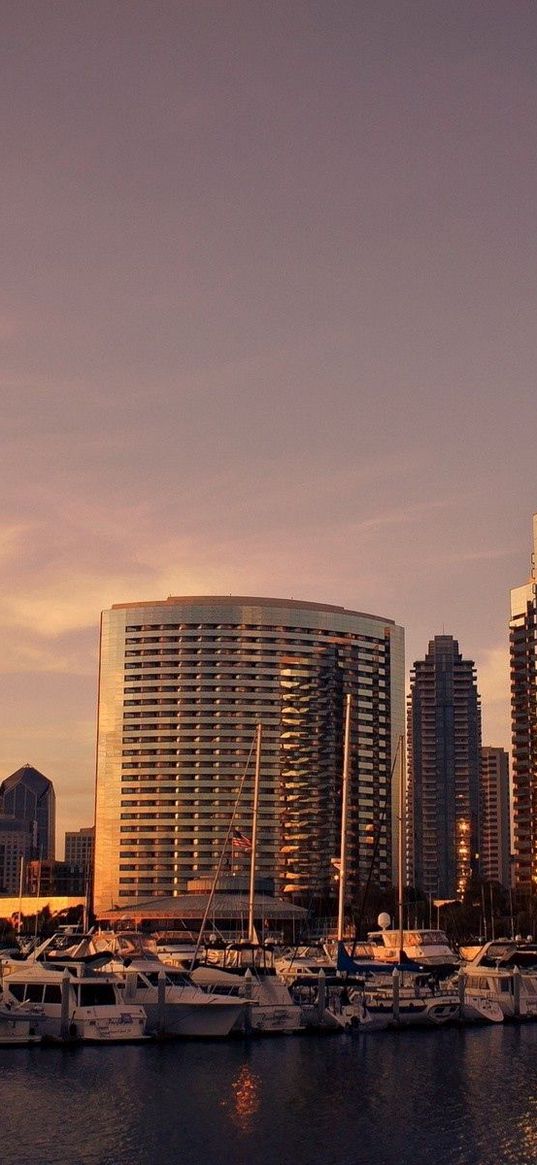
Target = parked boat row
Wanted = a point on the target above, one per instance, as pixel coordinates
(102, 987)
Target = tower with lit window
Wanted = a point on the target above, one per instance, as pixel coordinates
(523, 661)
(444, 742)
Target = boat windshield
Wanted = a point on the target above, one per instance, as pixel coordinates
(173, 979)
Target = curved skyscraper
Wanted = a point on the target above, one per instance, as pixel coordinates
(183, 683)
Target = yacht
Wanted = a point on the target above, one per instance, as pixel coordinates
(17, 1027)
(247, 971)
(63, 1005)
(173, 1004)
(504, 971)
(428, 948)
(417, 1002)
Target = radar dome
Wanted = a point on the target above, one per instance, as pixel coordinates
(384, 920)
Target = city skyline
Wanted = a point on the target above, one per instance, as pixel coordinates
(267, 329)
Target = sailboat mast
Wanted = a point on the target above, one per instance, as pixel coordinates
(401, 846)
(253, 853)
(344, 808)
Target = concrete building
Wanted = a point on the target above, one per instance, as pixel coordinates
(79, 846)
(29, 796)
(55, 879)
(15, 845)
(183, 684)
(444, 741)
(494, 829)
(522, 645)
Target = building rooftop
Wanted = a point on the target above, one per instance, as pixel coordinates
(249, 601)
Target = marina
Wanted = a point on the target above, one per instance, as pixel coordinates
(103, 987)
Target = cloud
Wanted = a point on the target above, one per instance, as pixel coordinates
(13, 538)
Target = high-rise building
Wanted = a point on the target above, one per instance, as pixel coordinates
(15, 845)
(79, 848)
(444, 741)
(183, 684)
(523, 646)
(494, 828)
(29, 796)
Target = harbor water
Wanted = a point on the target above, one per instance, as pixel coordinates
(459, 1096)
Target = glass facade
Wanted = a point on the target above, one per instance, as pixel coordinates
(183, 684)
(523, 666)
(444, 743)
(29, 795)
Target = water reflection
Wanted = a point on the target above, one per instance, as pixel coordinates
(460, 1097)
(246, 1090)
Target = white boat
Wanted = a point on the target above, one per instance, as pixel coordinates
(181, 1010)
(17, 1028)
(186, 1010)
(246, 970)
(504, 972)
(480, 1008)
(64, 1006)
(400, 1001)
(429, 948)
(304, 960)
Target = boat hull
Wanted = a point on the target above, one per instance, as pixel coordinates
(210, 1018)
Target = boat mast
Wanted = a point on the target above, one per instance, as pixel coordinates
(253, 852)
(401, 846)
(344, 807)
(221, 858)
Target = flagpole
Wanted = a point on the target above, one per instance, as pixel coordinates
(21, 883)
(251, 895)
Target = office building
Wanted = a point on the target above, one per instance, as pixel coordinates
(79, 848)
(55, 879)
(15, 846)
(183, 684)
(444, 741)
(29, 796)
(494, 829)
(522, 645)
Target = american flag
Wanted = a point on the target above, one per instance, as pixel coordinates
(240, 841)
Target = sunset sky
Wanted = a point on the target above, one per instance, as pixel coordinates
(268, 328)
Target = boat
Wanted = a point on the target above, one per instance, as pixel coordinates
(398, 1004)
(66, 1006)
(18, 1028)
(428, 948)
(246, 970)
(504, 972)
(174, 1006)
(399, 988)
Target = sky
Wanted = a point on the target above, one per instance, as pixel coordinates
(267, 322)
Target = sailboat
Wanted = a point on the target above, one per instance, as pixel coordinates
(397, 991)
(246, 968)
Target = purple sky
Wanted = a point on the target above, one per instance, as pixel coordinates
(268, 327)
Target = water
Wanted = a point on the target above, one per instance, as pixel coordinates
(460, 1097)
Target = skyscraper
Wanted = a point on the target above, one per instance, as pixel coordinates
(494, 829)
(15, 844)
(444, 740)
(79, 848)
(522, 644)
(29, 796)
(183, 683)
